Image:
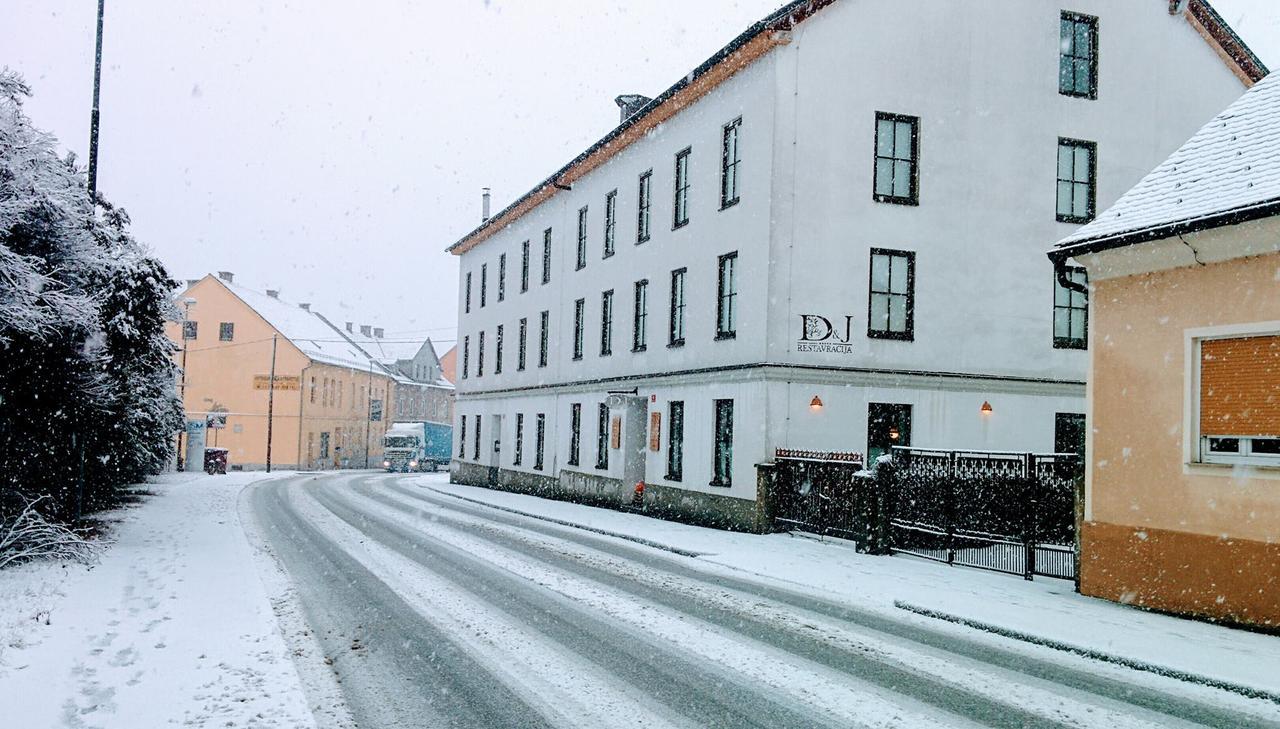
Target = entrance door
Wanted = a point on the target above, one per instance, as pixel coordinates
(495, 455)
(888, 425)
(1068, 433)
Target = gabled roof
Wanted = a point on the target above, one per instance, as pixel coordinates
(751, 45)
(1227, 173)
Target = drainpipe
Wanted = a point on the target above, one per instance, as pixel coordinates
(1064, 277)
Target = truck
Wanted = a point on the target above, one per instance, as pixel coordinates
(416, 446)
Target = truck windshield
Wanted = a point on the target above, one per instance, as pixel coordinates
(401, 441)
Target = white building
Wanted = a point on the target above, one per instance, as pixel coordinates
(826, 237)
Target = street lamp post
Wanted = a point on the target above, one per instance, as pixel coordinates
(182, 386)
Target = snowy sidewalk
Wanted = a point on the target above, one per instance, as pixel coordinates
(173, 627)
(1047, 608)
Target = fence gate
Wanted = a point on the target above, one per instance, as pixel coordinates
(820, 493)
(1009, 512)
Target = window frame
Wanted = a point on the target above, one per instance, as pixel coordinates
(912, 198)
(524, 267)
(540, 442)
(729, 169)
(1092, 183)
(480, 354)
(190, 330)
(475, 447)
(502, 277)
(497, 350)
(484, 283)
(676, 315)
(602, 437)
(226, 331)
(610, 223)
(644, 206)
(575, 434)
(907, 335)
(640, 317)
(579, 326)
(1091, 21)
(606, 323)
(1069, 342)
(517, 453)
(544, 337)
(675, 441)
(546, 256)
(727, 300)
(680, 186)
(466, 297)
(722, 444)
(522, 352)
(466, 357)
(582, 238)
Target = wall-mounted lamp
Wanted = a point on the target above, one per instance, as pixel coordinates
(986, 408)
(894, 433)
(815, 404)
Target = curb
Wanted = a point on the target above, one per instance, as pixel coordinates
(1235, 688)
(574, 525)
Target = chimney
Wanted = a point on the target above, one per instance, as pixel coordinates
(305, 306)
(349, 327)
(192, 282)
(377, 332)
(273, 293)
(629, 104)
(226, 276)
(484, 204)
(365, 330)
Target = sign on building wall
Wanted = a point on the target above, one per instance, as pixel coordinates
(283, 382)
(820, 334)
(615, 432)
(655, 431)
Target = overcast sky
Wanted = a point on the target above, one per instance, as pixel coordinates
(333, 149)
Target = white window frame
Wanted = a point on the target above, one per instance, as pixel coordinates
(1194, 444)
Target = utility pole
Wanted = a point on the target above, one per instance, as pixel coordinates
(368, 416)
(93, 115)
(271, 398)
(182, 386)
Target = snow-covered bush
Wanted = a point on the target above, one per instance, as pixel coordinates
(26, 535)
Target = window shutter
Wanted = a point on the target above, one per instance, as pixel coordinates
(1240, 386)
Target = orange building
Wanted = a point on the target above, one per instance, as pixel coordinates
(1182, 495)
(330, 403)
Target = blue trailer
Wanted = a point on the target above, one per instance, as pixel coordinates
(417, 446)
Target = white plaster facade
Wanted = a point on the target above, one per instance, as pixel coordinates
(983, 80)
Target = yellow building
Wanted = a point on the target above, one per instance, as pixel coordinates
(330, 404)
(1182, 493)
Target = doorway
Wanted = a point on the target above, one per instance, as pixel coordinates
(888, 425)
(495, 455)
(1068, 433)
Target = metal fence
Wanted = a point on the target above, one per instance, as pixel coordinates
(1009, 512)
(822, 493)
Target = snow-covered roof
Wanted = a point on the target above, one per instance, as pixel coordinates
(1227, 173)
(309, 332)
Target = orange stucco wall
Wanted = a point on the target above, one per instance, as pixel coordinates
(1158, 525)
(220, 376)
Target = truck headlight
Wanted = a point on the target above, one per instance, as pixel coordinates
(386, 463)
(413, 464)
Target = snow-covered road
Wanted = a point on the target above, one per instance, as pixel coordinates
(431, 611)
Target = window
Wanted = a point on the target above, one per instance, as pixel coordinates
(602, 436)
(1077, 180)
(606, 323)
(1068, 433)
(475, 446)
(680, 214)
(542, 338)
(462, 438)
(540, 442)
(675, 328)
(524, 337)
(729, 164)
(466, 356)
(324, 445)
(1071, 312)
(897, 152)
(467, 295)
(226, 331)
(480, 355)
(891, 305)
(518, 455)
(502, 277)
(546, 256)
(484, 282)
(190, 329)
(1078, 56)
(582, 239)
(723, 463)
(524, 267)
(575, 433)
(1238, 416)
(639, 335)
(727, 297)
(675, 440)
(497, 351)
(642, 207)
(888, 425)
(579, 312)
(610, 221)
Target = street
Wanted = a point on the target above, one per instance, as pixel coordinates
(433, 611)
